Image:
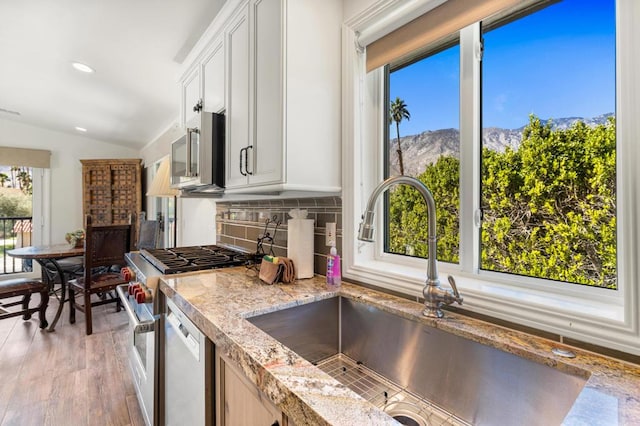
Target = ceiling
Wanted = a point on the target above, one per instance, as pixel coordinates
(135, 46)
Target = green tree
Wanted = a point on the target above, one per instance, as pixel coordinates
(408, 219)
(398, 112)
(549, 207)
(4, 178)
(24, 180)
(14, 204)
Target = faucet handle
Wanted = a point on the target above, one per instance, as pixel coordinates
(452, 283)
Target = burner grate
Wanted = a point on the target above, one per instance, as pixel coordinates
(194, 258)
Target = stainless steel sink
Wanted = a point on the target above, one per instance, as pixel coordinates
(469, 382)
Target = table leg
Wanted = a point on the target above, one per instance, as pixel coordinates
(50, 277)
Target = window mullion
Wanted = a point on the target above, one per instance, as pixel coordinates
(470, 146)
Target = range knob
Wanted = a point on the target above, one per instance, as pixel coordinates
(127, 274)
(133, 286)
(144, 296)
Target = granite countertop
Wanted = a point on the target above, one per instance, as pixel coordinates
(219, 301)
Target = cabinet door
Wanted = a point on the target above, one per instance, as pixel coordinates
(112, 192)
(244, 404)
(213, 79)
(190, 95)
(266, 156)
(237, 120)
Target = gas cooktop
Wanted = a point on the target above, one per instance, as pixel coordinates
(194, 258)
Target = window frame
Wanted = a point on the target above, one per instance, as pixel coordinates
(40, 217)
(595, 315)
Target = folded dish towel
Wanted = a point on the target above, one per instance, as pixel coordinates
(289, 270)
(277, 269)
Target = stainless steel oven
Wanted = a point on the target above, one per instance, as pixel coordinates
(143, 335)
(145, 348)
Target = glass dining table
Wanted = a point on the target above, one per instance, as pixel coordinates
(49, 257)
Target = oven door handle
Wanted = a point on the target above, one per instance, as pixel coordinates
(139, 327)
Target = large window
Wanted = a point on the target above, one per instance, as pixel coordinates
(538, 203)
(548, 169)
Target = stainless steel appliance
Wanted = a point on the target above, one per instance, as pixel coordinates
(188, 358)
(144, 323)
(146, 357)
(197, 158)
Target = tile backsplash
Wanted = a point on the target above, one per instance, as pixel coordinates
(242, 223)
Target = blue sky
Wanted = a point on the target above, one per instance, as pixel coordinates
(558, 62)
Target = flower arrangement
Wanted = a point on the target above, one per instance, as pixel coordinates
(75, 238)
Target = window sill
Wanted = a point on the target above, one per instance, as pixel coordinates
(597, 320)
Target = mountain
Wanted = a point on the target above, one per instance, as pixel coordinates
(418, 151)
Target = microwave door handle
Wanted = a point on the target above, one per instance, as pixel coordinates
(194, 173)
(187, 172)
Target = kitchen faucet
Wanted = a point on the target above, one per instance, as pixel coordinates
(434, 295)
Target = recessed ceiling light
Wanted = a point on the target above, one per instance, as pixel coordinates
(81, 129)
(82, 67)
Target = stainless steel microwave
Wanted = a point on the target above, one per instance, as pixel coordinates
(197, 157)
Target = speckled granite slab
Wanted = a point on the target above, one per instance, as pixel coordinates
(218, 303)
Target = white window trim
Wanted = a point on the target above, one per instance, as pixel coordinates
(599, 316)
(40, 217)
(41, 206)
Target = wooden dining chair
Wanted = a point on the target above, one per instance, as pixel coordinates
(149, 233)
(24, 288)
(105, 247)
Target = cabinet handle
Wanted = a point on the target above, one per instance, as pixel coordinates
(246, 159)
(198, 107)
(241, 171)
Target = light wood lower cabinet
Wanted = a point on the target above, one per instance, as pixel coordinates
(239, 402)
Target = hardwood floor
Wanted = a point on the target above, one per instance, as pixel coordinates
(66, 377)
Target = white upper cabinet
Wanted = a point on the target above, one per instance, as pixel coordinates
(266, 154)
(213, 73)
(190, 95)
(278, 64)
(237, 121)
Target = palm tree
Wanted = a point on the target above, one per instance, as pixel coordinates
(3, 179)
(397, 112)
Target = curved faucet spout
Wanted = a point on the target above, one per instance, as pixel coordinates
(435, 296)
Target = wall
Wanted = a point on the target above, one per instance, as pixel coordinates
(196, 219)
(161, 146)
(350, 8)
(66, 170)
(241, 223)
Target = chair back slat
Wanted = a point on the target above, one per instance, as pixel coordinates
(149, 232)
(105, 245)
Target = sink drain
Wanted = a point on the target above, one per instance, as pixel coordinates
(404, 420)
(406, 413)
